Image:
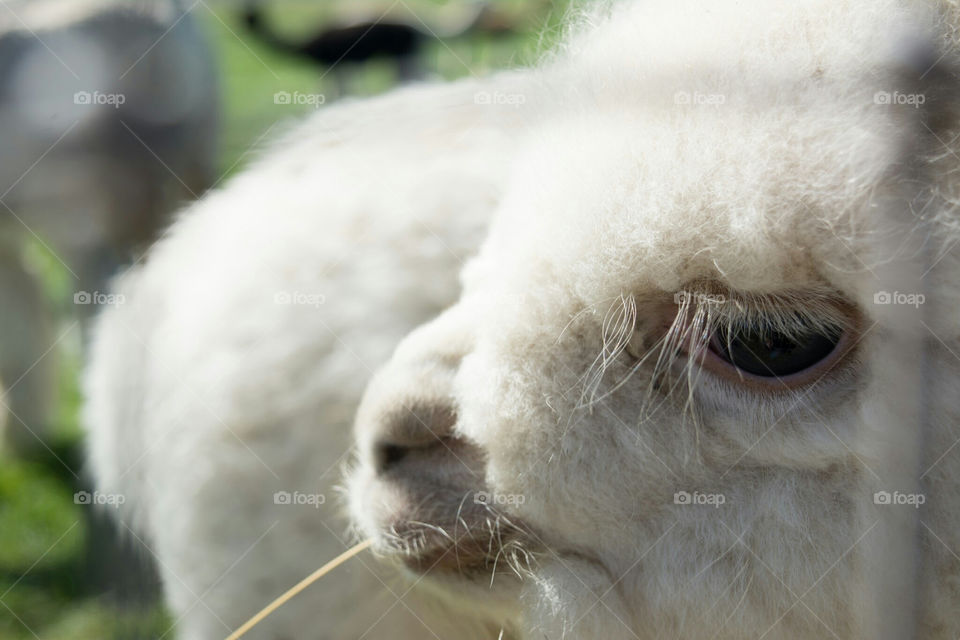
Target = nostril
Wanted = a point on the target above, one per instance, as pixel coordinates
(411, 430)
(388, 455)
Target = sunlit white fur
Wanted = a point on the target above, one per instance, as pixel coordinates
(610, 189)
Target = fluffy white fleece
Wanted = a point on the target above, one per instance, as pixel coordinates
(670, 146)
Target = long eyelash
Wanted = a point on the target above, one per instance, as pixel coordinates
(792, 315)
(700, 314)
(618, 326)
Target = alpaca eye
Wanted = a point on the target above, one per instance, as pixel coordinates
(763, 351)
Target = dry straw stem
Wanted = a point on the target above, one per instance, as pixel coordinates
(300, 586)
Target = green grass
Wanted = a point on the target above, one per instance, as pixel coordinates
(43, 570)
(41, 559)
(253, 73)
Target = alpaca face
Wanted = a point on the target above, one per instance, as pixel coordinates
(650, 397)
(587, 414)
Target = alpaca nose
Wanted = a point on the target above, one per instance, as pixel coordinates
(406, 422)
(413, 433)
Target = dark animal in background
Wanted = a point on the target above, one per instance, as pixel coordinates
(402, 42)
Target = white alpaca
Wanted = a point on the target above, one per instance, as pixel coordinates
(668, 391)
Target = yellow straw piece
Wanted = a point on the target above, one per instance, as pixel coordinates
(300, 586)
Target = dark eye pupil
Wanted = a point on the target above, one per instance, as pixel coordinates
(770, 353)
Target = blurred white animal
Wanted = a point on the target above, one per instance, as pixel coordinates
(699, 381)
(109, 115)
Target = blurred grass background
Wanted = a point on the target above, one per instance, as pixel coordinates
(45, 585)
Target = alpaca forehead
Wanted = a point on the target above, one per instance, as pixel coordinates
(705, 142)
(835, 37)
(617, 203)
